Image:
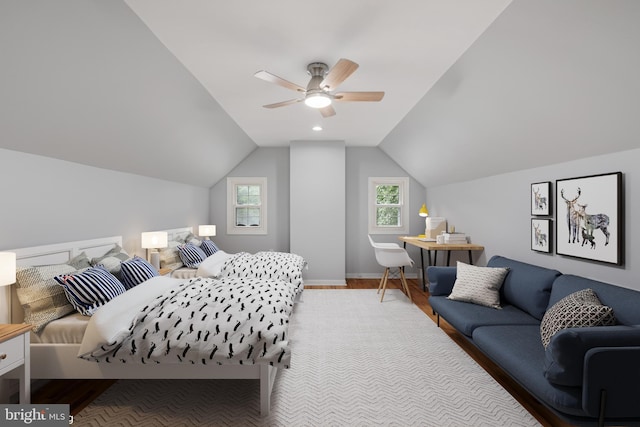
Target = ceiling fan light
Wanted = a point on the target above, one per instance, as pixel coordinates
(317, 100)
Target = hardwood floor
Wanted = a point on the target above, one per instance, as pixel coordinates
(79, 393)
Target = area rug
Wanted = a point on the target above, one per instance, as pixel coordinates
(355, 362)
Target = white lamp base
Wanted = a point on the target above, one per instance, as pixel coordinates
(154, 260)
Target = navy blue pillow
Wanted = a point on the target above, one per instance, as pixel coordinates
(208, 247)
(90, 289)
(135, 271)
(191, 255)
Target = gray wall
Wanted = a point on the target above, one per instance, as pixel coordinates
(363, 163)
(318, 209)
(47, 201)
(496, 213)
(272, 163)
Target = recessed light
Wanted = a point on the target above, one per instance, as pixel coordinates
(317, 128)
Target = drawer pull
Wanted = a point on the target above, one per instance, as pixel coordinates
(3, 356)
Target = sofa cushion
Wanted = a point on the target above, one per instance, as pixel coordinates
(624, 301)
(478, 285)
(577, 310)
(526, 286)
(564, 356)
(517, 350)
(466, 317)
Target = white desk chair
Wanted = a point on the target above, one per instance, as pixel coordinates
(391, 255)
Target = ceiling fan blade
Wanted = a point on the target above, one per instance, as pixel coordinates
(272, 78)
(359, 96)
(327, 111)
(283, 103)
(339, 73)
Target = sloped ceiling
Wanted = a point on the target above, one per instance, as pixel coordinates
(548, 82)
(87, 82)
(165, 88)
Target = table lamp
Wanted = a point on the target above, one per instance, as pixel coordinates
(7, 268)
(154, 240)
(206, 231)
(424, 212)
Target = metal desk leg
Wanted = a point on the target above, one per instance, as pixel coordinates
(448, 258)
(470, 258)
(424, 271)
(435, 257)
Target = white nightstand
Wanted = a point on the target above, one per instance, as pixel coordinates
(14, 354)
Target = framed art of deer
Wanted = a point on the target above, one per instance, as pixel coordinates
(541, 235)
(589, 213)
(541, 198)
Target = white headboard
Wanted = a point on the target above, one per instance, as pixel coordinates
(57, 253)
(178, 232)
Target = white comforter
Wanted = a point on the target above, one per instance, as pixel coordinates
(202, 320)
(281, 266)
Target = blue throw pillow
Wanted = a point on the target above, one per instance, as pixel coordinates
(208, 247)
(191, 255)
(90, 289)
(135, 271)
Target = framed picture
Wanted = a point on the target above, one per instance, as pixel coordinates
(589, 217)
(541, 235)
(541, 198)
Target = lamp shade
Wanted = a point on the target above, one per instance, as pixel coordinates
(206, 230)
(154, 239)
(423, 210)
(7, 268)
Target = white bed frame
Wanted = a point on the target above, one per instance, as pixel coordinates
(60, 361)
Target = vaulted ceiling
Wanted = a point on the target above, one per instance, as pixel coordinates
(166, 88)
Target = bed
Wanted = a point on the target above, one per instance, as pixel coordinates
(54, 355)
(272, 264)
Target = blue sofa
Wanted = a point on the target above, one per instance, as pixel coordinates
(582, 369)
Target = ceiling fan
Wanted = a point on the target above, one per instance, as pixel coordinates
(319, 91)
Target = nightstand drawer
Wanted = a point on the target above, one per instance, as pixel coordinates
(11, 353)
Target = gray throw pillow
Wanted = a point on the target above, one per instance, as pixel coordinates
(478, 285)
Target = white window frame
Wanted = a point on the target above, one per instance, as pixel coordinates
(403, 228)
(232, 184)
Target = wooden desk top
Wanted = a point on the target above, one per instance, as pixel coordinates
(433, 246)
(8, 331)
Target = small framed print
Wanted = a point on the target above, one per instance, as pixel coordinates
(541, 198)
(541, 235)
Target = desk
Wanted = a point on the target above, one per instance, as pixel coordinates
(433, 246)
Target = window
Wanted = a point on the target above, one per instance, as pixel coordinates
(246, 205)
(388, 205)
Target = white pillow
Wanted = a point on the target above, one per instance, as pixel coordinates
(478, 285)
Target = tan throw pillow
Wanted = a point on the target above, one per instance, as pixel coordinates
(577, 310)
(42, 299)
(478, 285)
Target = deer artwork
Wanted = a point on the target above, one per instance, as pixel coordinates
(541, 238)
(573, 219)
(592, 222)
(541, 202)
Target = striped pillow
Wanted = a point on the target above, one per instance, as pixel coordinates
(191, 255)
(208, 247)
(135, 271)
(90, 289)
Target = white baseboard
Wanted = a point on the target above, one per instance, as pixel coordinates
(378, 276)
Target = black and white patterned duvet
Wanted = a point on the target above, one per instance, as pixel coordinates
(209, 321)
(282, 266)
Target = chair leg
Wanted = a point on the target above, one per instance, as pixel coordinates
(404, 284)
(382, 279)
(384, 285)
